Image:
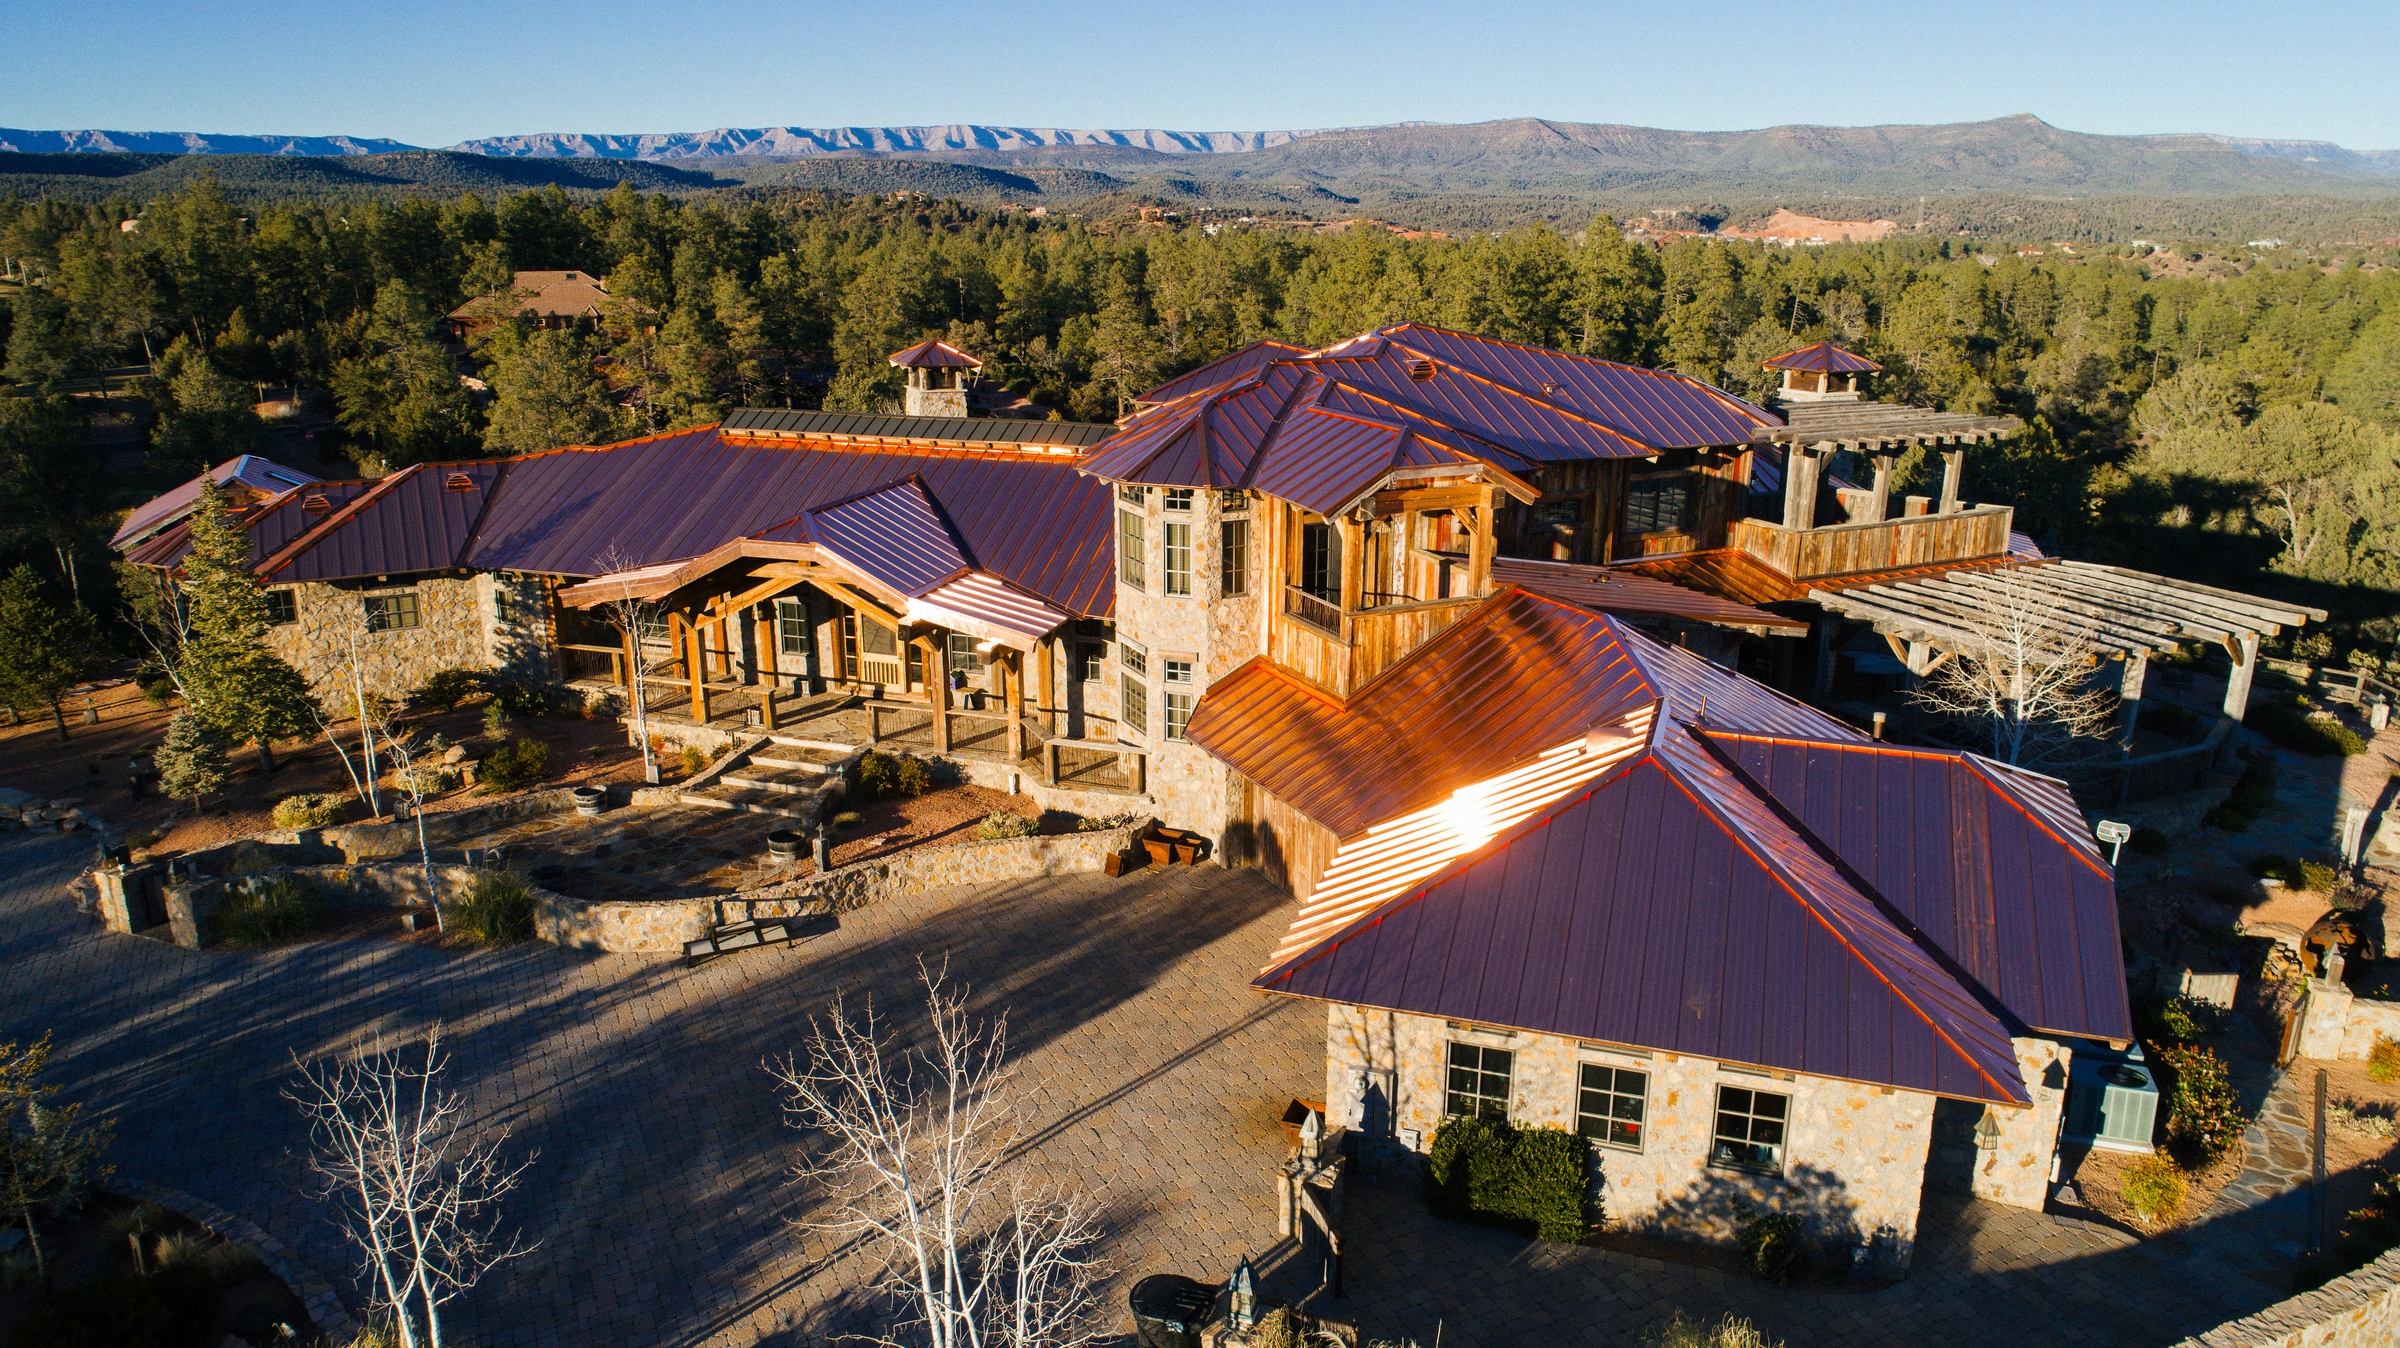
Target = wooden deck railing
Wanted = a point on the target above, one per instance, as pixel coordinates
(1314, 609)
(1885, 545)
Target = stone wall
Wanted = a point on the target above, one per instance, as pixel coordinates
(2337, 1023)
(2360, 1310)
(383, 842)
(1854, 1155)
(2017, 1171)
(192, 905)
(1214, 634)
(621, 928)
(454, 630)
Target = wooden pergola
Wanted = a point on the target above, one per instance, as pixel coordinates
(1880, 431)
(2126, 615)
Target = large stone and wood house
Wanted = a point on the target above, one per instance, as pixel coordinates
(1489, 654)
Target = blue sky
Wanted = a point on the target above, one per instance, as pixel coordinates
(433, 72)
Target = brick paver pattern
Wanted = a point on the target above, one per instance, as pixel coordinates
(1155, 1075)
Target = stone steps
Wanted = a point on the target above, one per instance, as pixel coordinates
(822, 746)
(723, 795)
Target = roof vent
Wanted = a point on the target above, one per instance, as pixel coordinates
(315, 503)
(458, 482)
(1420, 370)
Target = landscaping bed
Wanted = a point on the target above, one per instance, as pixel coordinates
(192, 1285)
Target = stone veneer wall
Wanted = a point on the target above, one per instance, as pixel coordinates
(481, 621)
(2359, 1310)
(1854, 1155)
(2338, 1023)
(2017, 1171)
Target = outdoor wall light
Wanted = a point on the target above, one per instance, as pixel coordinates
(1987, 1131)
(1312, 1135)
(1241, 1309)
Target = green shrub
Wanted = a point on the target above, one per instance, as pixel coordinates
(2289, 723)
(2383, 1060)
(694, 760)
(516, 763)
(175, 1308)
(914, 776)
(312, 809)
(159, 692)
(425, 779)
(2148, 842)
(1771, 1246)
(846, 819)
(877, 775)
(517, 700)
(2204, 1117)
(2155, 1189)
(2317, 877)
(2272, 866)
(1104, 823)
(497, 908)
(1482, 1168)
(495, 719)
(1001, 824)
(444, 689)
(1730, 1332)
(283, 909)
(2177, 1021)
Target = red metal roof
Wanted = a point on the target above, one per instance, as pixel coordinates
(1660, 408)
(409, 522)
(1607, 589)
(935, 355)
(895, 534)
(249, 470)
(1821, 356)
(1222, 370)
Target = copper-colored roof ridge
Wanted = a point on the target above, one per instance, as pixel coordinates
(1541, 817)
(1759, 856)
(348, 511)
(602, 449)
(1742, 405)
(1534, 398)
(1981, 767)
(1429, 419)
(1266, 668)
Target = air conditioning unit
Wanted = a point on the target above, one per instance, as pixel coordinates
(2112, 1101)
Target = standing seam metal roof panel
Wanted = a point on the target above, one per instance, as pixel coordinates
(895, 534)
(1664, 408)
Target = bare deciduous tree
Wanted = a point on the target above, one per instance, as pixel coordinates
(633, 617)
(916, 1148)
(2026, 676)
(417, 1195)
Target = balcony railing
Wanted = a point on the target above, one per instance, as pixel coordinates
(1884, 545)
(1319, 610)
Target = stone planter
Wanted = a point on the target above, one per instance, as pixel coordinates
(589, 799)
(783, 844)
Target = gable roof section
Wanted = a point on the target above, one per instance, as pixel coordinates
(1660, 408)
(1018, 433)
(895, 534)
(272, 525)
(1821, 356)
(1604, 589)
(159, 512)
(1993, 865)
(409, 522)
(1222, 370)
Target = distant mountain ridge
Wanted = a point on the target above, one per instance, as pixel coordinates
(803, 142)
(187, 142)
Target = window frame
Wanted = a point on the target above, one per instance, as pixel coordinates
(1133, 549)
(1233, 558)
(1176, 558)
(1178, 499)
(1724, 1148)
(1613, 1096)
(384, 612)
(791, 626)
(1133, 659)
(1133, 706)
(959, 655)
(1481, 1070)
(1091, 662)
(1657, 485)
(283, 605)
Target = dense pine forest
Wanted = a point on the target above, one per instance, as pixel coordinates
(2227, 417)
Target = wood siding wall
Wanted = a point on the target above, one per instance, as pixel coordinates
(1846, 549)
(1592, 496)
(1290, 847)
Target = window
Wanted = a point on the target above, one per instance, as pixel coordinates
(391, 612)
(1478, 1081)
(1232, 499)
(1656, 504)
(1132, 548)
(964, 658)
(1233, 558)
(1179, 697)
(876, 639)
(283, 606)
(1749, 1129)
(1131, 495)
(1090, 656)
(1179, 558)
(1608, 1105)
(1136, 711)
(791, 627)
(1320, 561)
(1178, 498)
(1135, 659)
(850, 646)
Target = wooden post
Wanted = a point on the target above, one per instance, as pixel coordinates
(1879, 507)
(1480, 546)
(763, 632)
(1046, 685)
(937, 677)
(1012, 676)
(695, 662)
(633, 660)
(2245, 665)
(2129, 692)
(1354, 561)
(1800, 472)
(1954, 459)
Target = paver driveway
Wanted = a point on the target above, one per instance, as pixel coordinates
(1156, 1077)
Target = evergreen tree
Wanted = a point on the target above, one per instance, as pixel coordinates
(191, 762)
(45, 647)
(204, 417)
(402, 396)
(238, 688)
(546, 394)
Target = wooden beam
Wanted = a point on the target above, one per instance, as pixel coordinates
(784, 570)
(937, 680)
(1046, 651)
(1953, 463)
(696, 671)
(765, 589)
(1482, 543)
(1800, 472)
(763, 632)
(1012, 676)
(1389, 503)
(1354, 561)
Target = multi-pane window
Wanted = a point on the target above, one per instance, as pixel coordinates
(1749, 1128)
(791, 627)
(391, 612)
(849, 645)
(1131, 495)
(1608, 1104)
(1233, 558)
(1133, 555)
(1179, 558)
(283, 606)
(1178, 697)
(1135, 658)
(1478, 1082)
(964, 658)
(1136, 709)
(1177, 498)
(1320, 561)
(1090, 657)
(1656, 504)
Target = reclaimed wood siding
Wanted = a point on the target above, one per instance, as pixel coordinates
(1290, 847)
(1380, 640)
(1845, 549)
(1308, 653)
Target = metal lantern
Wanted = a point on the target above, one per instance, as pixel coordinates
(1987, 1131)
(1312, 1135)
(1241, 1309)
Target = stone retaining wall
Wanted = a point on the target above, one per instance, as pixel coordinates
(2361, 1310)
(325, 1308)
(385, 842)
(2337, 1023)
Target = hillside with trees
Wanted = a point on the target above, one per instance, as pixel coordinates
(2210, 414)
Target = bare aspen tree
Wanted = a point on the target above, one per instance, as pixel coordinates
(418, 1196)
(2025, 676)
(633, 617)
(916, 1145)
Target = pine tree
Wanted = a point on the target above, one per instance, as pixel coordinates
(191, 763)
(49, 1157)
(45, 647)
(237, 687)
